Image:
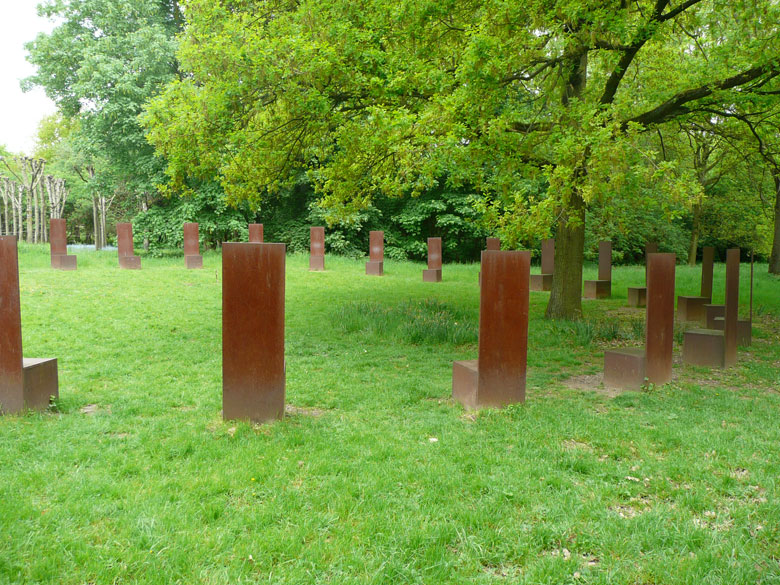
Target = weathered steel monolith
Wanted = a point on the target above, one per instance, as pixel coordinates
(717, 348)
(637, 295)
(256, 233)
(629, 367)
(601, 288)
(317, 248)
(192, 257)
(492, 243)
(24, 382)
(253, 373)
(124, 242)
(691, 308)
(497, 377)
(59, 246)
(543, 281)
(376, 253)
(433, 273)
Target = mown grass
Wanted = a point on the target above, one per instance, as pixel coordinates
(134, 478)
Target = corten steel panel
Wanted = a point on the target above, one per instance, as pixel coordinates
(651, 248)
(40, 382)
(744, 329)
(256, 233)
(637, 296)
(605, 260)
(375, 268)
(691, 308)
(253, 331)
(317, 248)
(432, 275)
(625, 368)
(376, 246)
(63, 262)
(704, 347)
(732, 306)
(711, 312)
(58, 237)
(548, 256)
(11, 377)
(659, 330)
(503, 327)
(130, 262)
(434, 254)
(191, 243)
(124, 239)
(193, 262)
(707, 259)
(464, 383)
(598, 289)
(541, 282)
(492, 244)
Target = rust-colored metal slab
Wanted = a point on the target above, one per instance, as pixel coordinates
(191, 240)
(541, 282)
(548, 256)
(704, 347)
(63, 262)
(434, 254)
(503, 334)
(11, 377)
(711, 312)
(317, 248)
(492, 244)
(598, 289)
(625, 368)
(691, 308)
(651, 248)
(375, 268)
(744, 330)
(432, 275)
(256, 233)
(58, 237)
(637, 296)
(732, 306)
(707, 261)
(130, 262)
(660, 317)
(124, 239)
(193, 262)
(376, 246)
(40, 382)
(605, 260)
(253, 373)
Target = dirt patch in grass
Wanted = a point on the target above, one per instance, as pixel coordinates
(290, 410)
(591, 383)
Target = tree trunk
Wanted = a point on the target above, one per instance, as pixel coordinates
(29, 216)
(566, 294)
(44, 222)
(95, 222)
(774, 257)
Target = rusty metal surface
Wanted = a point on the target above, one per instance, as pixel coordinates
(316, 248)
(691, 308)
(124, 239)
(191, 241)
(605, 260)
(651, 248)
(598, 289)
(432, 275)
(376, 246)
(492, 244)
(11, 377)
(253, 373)
(625, 368)
(704, 347)
(41, 383)
(732, 306)
(744, 330)
(256, 233)
(548, 256)
(63, 261)
(130, 262)
(637, 296)
(434, 254)
(375, 268)
(541, 282)
(659, 331)
(193, 262)
(707, 260)
(711, 312)
(58, 237)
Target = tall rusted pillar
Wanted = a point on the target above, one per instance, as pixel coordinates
(192, 257)
(256, 233)
(24, 383)
(317, 248)
(543, 281)
(497, 377)
(124, 242)
(433, 273)
(692, 308)
(253, 372)
(732, 306)
(601, 288)
(637, 295)
(59, 246)
(376, 253)
(492, 244)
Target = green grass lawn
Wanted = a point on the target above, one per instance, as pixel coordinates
(376, 476)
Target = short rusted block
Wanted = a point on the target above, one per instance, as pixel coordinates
(744, 330)
(691, 308)
(598, 289)
(63, 262)
(193, 262)
(124, 239)
(253, 373)
(59, 246)
(711, 312)
(256, 233)
(375, 268)
(376, 253)
(541, 282)
(624, 368)
(704, 347)
(192, 258)
(432, 275)
(130, 262)
(637, 296)
(498, 377)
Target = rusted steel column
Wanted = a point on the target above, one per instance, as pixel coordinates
(376, 253)
(124, 239)
(605, 260)
(317, 248)
(192, 257)
(433, 273)
(11, 380)
(707, 261)
(492, 244)
(548, 256)
(659, 329)
(256, 233)
(732, 306)
(253, 373)
(59, 246)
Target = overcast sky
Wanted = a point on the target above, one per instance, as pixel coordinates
(19, 112)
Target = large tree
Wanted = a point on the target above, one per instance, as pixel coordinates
(377, 96)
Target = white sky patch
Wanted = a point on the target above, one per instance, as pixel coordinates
(20, 112)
